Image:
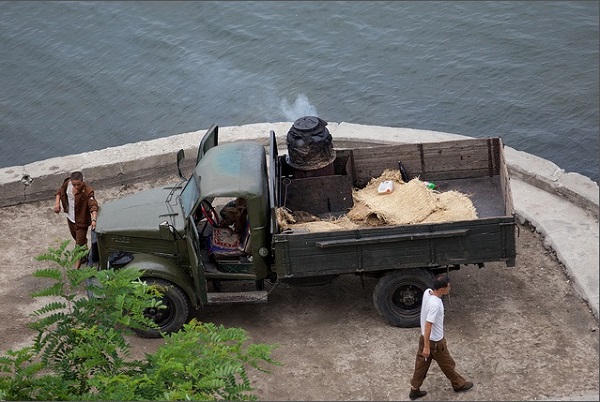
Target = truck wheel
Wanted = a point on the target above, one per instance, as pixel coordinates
(398, 296)
(172, 317)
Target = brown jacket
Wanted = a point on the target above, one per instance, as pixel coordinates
(85, 202)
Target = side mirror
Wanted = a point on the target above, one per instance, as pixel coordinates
(180, 157)
(165, 230)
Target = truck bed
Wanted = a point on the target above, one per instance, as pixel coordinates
(484, 193)
(475, 167)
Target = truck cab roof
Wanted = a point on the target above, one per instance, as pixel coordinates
(233, 169)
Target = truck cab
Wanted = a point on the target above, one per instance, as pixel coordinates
(178, 238)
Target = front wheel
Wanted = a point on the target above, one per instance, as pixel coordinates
(169, 318)
(398, 296)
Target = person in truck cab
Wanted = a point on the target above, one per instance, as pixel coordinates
(234, 215)
(231, 236)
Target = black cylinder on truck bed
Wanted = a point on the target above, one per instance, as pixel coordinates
(309, 144)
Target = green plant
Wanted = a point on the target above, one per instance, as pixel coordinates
(80, 351)
(217, 370)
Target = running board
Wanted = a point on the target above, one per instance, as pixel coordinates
(256, 296)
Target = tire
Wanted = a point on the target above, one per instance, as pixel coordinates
(171, 318)
(398, 296)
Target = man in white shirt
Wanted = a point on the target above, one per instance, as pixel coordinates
(432, 344)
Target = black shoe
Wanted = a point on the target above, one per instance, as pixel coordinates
(415, 393)
(467, 386)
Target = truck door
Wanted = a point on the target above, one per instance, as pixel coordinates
(210, 140)
(274, 173)
(197, 268)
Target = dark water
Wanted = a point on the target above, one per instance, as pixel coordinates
(79, 76)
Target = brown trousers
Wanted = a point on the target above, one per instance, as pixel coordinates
(440, 353)
(79, 233)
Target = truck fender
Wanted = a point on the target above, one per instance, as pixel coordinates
(155, 267)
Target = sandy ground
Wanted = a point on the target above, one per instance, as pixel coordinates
(518, 333)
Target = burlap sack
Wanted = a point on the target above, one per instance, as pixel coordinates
(408, 203)
(287, 219)
(453, 206)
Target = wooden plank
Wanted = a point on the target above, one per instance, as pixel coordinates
(505, 180)
(443, 160)
(391, 238)
(318, 195)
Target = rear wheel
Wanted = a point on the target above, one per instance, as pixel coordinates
(398, 296)
(169, 318)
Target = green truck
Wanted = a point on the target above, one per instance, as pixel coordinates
(174, 234)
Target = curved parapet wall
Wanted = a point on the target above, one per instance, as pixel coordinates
(132, 162)
(562, 206)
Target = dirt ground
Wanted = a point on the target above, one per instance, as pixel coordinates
(518, 333)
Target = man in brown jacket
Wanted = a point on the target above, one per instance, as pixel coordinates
(80, 205)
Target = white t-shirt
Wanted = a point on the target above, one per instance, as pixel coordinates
(71, 198)
(432, 310)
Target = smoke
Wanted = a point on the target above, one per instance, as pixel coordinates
(300, 107)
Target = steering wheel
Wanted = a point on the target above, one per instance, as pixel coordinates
(209, 212)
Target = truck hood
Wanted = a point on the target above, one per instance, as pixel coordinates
(140, 214)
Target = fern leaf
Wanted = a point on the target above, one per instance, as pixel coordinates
(53, 306)
(54, 290)
(48, 321)
(77, 277)
(51, 273)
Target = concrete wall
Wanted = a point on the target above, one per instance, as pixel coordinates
(132, 162)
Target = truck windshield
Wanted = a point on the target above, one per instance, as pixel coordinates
(189, 196)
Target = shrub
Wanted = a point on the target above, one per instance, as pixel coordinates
(80, 351)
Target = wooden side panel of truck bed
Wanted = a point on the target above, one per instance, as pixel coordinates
(432, 161)
(395, 247)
